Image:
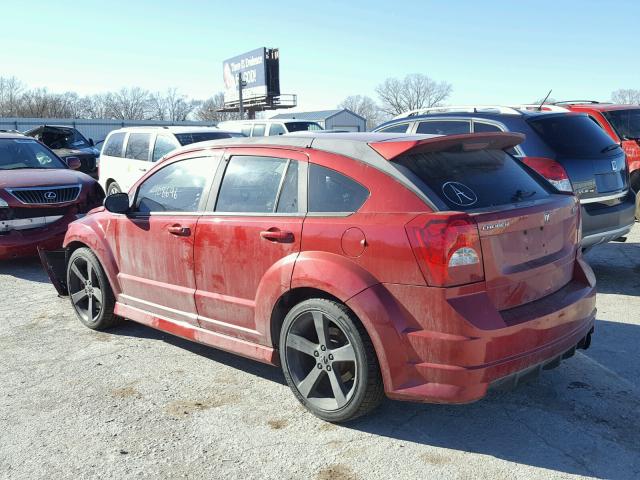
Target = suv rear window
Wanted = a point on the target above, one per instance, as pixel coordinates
(571, 135)
(471, 180)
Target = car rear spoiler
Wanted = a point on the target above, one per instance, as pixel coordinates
(393, 148)
(54, 263)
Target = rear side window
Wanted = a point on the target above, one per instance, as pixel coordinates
(251, 184)
(400, 128)
(246, 130)
(470, 180)
(571, 135)
(113, 147)
(450, 127)
(138, 146)
(258, 130)
(195, 137)
(303, 126)
(277, 129)
(164, 145)
(480, 127)
(333, 192)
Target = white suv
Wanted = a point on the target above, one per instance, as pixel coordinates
(128, 153)
(262, 128)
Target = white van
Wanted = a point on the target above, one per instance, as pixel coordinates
(128, 153)
(263, 128)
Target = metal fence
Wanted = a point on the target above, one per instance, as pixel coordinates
(96, 129)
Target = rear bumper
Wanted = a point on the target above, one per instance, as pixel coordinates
(453, 344)
(602, 223)
(25, 243)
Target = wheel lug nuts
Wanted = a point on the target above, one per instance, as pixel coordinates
(316, 354)
(319, 365)
(323, 348)
(330, 357)
(328, 368)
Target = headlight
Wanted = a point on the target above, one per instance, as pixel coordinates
(3, 204)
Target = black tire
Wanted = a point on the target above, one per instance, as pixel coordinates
(89, 291)
(334, 390)
(635, 186)
(112, 188)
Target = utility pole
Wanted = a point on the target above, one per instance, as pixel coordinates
(241, 84)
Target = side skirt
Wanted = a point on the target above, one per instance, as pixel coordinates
(206, 337)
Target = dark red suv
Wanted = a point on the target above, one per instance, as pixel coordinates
(427, 268)
(39, 196)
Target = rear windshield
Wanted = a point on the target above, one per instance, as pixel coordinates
(626, 123)
(195, 137)
(302, 126)
(471, 180)
(572, 135)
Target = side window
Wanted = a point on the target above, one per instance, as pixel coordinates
(164, 145)
(178, 187)
(113, 147)
(444, 127)
(138, 146)
(277, 129)
(330, 191)
(246, 129)
(258, 130)
(288, 199)
(481, 127)
(400, 128)
(251, 184)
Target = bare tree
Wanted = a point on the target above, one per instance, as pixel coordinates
(10, 92)
(413, 91)
(129, 104)
(627, 96)
(208, 110)
(365, 107)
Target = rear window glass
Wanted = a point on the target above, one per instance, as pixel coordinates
(189, 138)
(400, 128)
(450, 127)
(113, 147)
(572, 135)
(333, 192)
(471, 180)
(138, 146)
(302, 126)
(481, 127)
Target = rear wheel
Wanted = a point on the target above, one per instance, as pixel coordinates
(113, 188)
(635, 186)
(89, 291)
(329, 361)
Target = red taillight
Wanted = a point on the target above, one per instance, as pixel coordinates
(447, 247)
(551, 170)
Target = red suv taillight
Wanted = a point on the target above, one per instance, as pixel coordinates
(447, 247)
(551, 170)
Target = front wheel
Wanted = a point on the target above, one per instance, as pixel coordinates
(329, 361)
(89, 290)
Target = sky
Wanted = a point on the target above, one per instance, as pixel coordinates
(492, 52)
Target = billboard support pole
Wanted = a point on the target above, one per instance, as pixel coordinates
(241, 106)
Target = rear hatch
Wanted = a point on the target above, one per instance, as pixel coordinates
(528, 234)
(595, 164)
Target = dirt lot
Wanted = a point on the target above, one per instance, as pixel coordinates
(135, 402)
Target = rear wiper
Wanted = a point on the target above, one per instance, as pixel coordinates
(521, 195)
(613, 146)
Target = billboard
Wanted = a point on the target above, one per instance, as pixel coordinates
(252, 66)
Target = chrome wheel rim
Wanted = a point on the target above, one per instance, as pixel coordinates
(85, 290)
(321, 360)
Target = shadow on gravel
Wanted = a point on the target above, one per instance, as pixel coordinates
(25, 269)
(617, 267)
(578, 419)
(132, 329)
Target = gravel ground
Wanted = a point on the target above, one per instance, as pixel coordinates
(135, 402)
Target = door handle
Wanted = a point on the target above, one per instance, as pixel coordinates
(179, 230)
(276, 235)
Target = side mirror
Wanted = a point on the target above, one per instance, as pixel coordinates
(117, 203)
(91, 142)
(73, 163)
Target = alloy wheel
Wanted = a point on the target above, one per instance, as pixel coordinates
(85, 290)
(321, 360)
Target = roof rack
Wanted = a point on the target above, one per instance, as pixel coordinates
(460, 108)
(547, 107)
(573, 102)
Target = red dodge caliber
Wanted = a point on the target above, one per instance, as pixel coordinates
(421, 267)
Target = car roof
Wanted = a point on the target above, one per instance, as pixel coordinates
(600, 107)
(270, 120)
(11, 135)
(171, 129)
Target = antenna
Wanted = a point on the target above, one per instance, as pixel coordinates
(545, 99)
